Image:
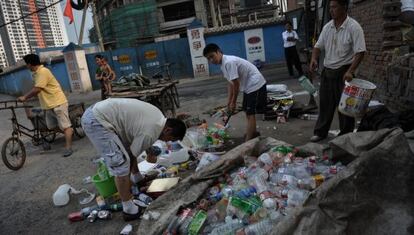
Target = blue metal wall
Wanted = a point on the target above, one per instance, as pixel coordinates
(121, 68)
(20, 81)
(233, 44)
(174, 51)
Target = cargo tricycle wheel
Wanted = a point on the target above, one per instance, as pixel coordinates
(13, 153)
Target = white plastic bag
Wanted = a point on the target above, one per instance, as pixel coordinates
(206, 159)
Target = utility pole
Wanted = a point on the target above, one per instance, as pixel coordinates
(213, 13)
(97, 28)
(85, 9)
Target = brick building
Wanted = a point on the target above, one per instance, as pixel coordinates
(387, 62)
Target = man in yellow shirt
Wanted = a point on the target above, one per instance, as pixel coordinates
(51, 98)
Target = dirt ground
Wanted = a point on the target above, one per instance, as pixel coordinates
(26, 194)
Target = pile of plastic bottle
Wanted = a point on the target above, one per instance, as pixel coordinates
(253, 198)
(208, 138)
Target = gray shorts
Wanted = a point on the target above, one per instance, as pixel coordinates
(108, 145)
(58, 116)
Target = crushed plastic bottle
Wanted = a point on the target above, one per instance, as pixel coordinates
(228, 228)
(260, 228)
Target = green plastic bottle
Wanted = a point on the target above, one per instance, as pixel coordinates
(243, 205)
(102, 171)
(197, 223)
(282, 149)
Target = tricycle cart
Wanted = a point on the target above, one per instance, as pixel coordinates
(13, 151)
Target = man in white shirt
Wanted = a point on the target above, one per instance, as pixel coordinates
(342, 40)
(120, 130)
(242, 76)
(290, 37)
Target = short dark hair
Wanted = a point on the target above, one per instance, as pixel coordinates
(32, 59)
(289, 23)
(178, 127)
(99, 56)
(344, 3)
(211, 48)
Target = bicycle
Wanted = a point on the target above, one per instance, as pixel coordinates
(165, 70)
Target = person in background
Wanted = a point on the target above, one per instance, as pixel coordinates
(290, 37)
(342, 40)
(51, 98)
(241, 76)
(120, 130)
(105, 74)
(98, 75)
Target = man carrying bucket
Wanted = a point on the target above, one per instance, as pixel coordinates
(342, 40)
(120, 130)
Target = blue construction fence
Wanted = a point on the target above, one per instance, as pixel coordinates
(150, 58)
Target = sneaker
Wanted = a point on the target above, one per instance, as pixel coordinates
(67, 152)
(128, 217)
(316, 138)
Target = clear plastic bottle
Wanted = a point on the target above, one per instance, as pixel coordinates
(283, 179)
(312, 182)
(228, 228)
(264, 192)
(265, 161)
(296, 197)
(261, 228)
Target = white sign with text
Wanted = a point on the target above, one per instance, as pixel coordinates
(254, 43)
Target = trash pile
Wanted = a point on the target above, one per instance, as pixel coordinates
(132, 79)
(280, 100)
(252, 198)
(207, 138)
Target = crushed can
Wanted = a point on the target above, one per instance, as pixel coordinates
(104, 215)
(76, 216)
(92, 216)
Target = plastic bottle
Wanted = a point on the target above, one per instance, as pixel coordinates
(262, 227)
(246, 192)
(260, 214)
(115, 207)
(218, 114)
(102, 171)
(300, 171)
(264, 192)
(144, 198)
(227, 191)
(228, 228)
(309, 117)
(221, 208)
(184, 221)
(283, 179)
(296, 197)
(197, 222)
(312, 182)
(255, 172)
(265, 161)
(87, 210)
(243, 205)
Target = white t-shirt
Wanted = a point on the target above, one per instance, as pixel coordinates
(287, 34)
(138, 124)
(407, 5)
(341, 45)
(234, 67)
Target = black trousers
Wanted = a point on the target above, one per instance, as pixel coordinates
(292, 58)
(330, 91)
